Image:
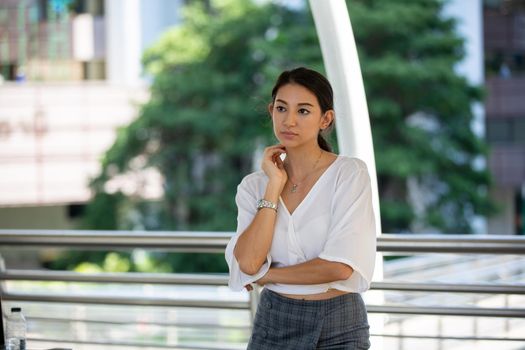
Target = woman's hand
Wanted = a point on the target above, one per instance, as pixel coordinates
(264, 279)
(261, 281)
(273, 166)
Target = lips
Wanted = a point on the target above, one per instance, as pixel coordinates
(288, 133)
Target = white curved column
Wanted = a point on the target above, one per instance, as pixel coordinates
(352, 121)
(344, 72)
(123, 42)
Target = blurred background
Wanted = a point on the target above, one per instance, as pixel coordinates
(143, 116)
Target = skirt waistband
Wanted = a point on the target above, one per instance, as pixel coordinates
(331, 302)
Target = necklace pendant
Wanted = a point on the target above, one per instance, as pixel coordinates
(294, 188)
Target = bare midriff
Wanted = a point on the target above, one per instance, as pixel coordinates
(329, 294)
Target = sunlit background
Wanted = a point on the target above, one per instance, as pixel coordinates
(144, 115)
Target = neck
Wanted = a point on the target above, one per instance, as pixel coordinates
(300, 162)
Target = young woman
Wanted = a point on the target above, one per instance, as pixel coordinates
(305, 228)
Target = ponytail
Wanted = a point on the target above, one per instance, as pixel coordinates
(323, 143)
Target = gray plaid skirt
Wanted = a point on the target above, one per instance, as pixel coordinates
(284, 323)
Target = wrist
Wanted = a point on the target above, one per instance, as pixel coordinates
(263, 203)
(273, 191)
(267, 278)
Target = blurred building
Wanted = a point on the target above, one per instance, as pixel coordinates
(504, 46)
(71, 74)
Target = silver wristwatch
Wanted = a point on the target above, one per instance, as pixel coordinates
(263, 203)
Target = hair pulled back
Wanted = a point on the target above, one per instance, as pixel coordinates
(319, 86)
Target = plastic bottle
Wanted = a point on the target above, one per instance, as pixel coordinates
(16, 330)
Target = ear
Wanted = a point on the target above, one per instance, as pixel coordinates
(270, 109)
(327, 119)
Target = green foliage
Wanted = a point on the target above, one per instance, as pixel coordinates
(207, 112)
(102, 204)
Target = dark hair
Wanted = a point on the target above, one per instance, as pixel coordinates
(318, 85)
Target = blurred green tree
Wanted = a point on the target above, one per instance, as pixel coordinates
(205, 117)
(207, 113)
(421, 115)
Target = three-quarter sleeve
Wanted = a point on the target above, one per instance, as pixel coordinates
(246, 205)
(352, 233)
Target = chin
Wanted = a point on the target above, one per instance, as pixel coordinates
(287, 143)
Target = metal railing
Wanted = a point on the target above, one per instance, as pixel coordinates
(213, 242)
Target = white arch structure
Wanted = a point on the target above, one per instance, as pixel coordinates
(353, 128)
(341, 62)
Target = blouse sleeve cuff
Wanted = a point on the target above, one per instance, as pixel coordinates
(363, 278)
(238, 279)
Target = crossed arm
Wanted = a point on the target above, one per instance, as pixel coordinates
(254, 244)
(314, 271)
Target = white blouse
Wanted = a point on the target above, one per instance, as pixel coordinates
(334, 222)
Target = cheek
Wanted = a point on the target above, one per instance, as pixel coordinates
(314, 125)
(277, 119)
(275, 123)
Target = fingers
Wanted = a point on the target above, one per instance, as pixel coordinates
(279, 162)
(272, 163)
(274, 152)
(248, 287)
(276, 157)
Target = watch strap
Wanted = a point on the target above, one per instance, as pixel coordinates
(263, 203)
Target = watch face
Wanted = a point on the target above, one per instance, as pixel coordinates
(263, 203)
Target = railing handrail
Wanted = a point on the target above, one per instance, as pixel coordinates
(243, 305)
(124, 277)
(180, 241)
(216, 241)
(221, 279)
(128, 300)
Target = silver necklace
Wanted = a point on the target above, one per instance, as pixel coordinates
(294, 185)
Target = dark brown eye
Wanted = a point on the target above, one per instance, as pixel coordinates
(304, 111)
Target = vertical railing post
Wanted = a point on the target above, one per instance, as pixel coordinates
(2, 269)
(440, 332)
(254, 301)
(400, 333)
(507, 321)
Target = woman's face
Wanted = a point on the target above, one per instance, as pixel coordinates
(297, 117)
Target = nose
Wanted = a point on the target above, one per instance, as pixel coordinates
(290, 119)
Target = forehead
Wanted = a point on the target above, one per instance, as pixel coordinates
(296, 94)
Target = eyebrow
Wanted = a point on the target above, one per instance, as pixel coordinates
(300, 104)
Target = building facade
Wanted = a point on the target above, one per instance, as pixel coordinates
(504, 46)
(71, 75)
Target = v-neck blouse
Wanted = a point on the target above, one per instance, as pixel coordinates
(334, 222)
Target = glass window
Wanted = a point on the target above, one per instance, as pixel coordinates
(499, 131)
(519, 131)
